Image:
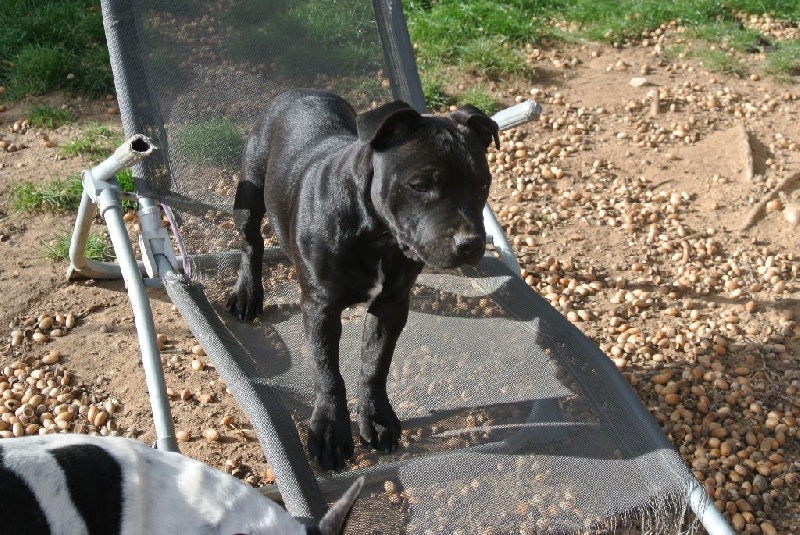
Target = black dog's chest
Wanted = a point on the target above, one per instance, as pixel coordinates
(364, 268)
(365, 272)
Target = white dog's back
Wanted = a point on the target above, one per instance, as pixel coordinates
(77, 484)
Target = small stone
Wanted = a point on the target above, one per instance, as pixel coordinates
(774, 205)
(52, 358)
(183, 436)
(210, 434)
(768, 529)
(638, 82)
(40, 338)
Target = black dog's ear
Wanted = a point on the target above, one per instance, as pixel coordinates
(480, 123)
(386, 124)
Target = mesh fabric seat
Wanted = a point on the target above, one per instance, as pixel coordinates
(514, 422)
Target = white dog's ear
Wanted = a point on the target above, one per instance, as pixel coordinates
(480, 123)
(334, 520)
(387, 124)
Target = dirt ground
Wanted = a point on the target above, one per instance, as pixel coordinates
(648, 200)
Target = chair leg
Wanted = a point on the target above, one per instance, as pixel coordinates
(145, 329)
(101, 192)
(711, 519)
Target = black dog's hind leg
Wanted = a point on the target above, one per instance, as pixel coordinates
(247, 298)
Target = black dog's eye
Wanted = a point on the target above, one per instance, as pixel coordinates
(420, 187)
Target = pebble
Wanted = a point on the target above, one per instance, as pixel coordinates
(52, 358)
(40, 399)
(211, 434)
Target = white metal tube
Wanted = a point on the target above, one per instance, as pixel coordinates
(100, 188)
(80, 235)
(707, 513)
(516, 115)
(143, 317)
(132, 151)
(79, 265)
(501, 245)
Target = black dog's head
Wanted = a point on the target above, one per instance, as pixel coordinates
(431, 180)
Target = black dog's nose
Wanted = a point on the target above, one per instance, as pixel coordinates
(469, 247)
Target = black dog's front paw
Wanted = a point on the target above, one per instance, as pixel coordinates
(330, 440)
(246, 300)
(378, 424)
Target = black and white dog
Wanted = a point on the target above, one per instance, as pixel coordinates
(77, 484)
(360, 203)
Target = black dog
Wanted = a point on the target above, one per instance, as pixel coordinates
(360, 204)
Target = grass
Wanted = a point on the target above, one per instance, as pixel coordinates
(438, 98)
(47, 117)
(480, 36)
(286, 35)
(479, 97)
(784, 62)
(213, 142)
(59, 44)
(53, 44)
(433, 87)
(485, 37)
(64, 196)
(717, 60)
(95, 144)
(98, 247)
(59, 195)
